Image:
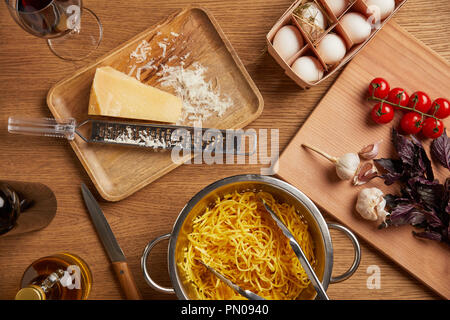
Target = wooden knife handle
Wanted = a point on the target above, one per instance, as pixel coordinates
(126, 280)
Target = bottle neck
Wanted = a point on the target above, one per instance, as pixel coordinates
(39, 291)
(51, 280)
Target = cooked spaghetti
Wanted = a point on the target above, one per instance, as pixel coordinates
(239, 239)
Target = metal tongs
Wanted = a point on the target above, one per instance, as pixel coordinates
(299, 253)
(245, 293)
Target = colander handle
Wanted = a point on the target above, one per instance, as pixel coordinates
(357, 258)
(144, 257)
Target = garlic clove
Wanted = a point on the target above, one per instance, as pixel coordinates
(370, 151)
(365, 173)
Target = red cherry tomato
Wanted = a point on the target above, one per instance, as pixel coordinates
(432, 128)
(379, 88)
(411, 123)
(420, 101)
(398, 96)
(382, 113)
(440, 108)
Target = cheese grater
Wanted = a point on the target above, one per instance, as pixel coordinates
(153, 136)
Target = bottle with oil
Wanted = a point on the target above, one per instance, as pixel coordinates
(62, 276)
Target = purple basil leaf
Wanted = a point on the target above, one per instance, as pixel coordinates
(405, 148)
(425, 192)
(432, 219)
(431, 235)
(406, 214)
(423, 163)
(393, 168)
(447, 196)
(440, 149)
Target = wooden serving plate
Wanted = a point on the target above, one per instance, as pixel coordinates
(118, 171)
(341, 123)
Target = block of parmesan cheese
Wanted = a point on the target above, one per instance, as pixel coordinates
(116, 94)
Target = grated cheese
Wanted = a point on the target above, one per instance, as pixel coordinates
(164, 47)
(140, 53)
(200, 99)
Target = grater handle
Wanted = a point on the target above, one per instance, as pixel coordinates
(43, 127)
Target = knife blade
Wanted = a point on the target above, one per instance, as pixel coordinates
(112, 247)
(299, 253)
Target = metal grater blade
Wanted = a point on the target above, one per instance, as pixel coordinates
(165, 137)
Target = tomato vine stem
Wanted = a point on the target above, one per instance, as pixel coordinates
(423, 114)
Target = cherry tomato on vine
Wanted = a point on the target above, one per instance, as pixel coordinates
(420, 101)
(441, 108)
(398, 96)
(379, 88)
(382, 113)
(432, 128)
(411, 123)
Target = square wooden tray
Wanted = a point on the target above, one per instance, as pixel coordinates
(117, 171)
(341, 123)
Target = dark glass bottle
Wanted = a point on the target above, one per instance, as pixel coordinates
(9, 208)
(25, 207)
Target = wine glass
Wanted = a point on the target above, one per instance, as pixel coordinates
(72, 32)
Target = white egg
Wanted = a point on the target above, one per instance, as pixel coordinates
(288, 41)
(331, 48)
(381, 8)
(308, 68)
(311, 20)
(356, 27)
(337, 6)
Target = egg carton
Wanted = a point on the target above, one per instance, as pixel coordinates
(311, 43)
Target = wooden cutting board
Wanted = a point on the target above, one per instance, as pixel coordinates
(341, 123)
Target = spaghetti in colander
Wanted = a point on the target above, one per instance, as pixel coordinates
(239, 239)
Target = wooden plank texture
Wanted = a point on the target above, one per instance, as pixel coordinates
(28, 70)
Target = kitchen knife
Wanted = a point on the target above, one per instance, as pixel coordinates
(112, 248)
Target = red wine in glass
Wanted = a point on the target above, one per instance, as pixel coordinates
(59, 21)
(32, 5)
(45, 18)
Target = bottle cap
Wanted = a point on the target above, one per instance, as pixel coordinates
(31, 292)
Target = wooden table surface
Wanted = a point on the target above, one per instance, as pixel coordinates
(28, 70)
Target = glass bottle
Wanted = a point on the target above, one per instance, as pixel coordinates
(63, 276)
(25, 207)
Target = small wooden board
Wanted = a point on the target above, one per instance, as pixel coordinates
(118, 171)
(341, 123)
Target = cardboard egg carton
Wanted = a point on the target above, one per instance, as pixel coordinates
(334, 26)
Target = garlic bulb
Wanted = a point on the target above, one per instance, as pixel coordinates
(346, 166)
(371, 203)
